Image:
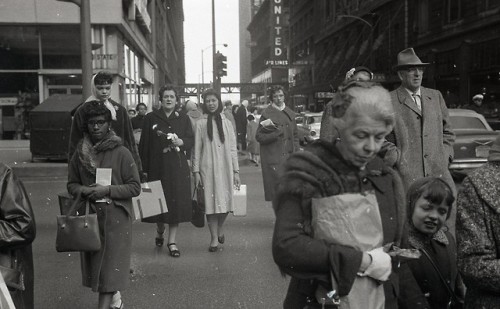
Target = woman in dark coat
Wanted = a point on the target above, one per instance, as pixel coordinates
(166, 160)
(107, 270)
(277, 135)
(343, 177)
(17, 230)
(430, 201)
(478, 233)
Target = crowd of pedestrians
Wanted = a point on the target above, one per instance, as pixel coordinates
(365, 216)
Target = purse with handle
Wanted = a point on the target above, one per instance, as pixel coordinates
(77, 233)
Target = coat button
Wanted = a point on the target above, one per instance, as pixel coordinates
(365, 180)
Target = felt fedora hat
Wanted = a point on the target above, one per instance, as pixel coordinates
(407, 58)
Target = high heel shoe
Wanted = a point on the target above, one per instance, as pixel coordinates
(174, 251)
(159, 240)
(213, 249)
(221, 239)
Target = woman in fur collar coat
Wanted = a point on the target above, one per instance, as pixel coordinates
(478, 233)
(329, 182)
(107, 270)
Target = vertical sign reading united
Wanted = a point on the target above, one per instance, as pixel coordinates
(278, 55)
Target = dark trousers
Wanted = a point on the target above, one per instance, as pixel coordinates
(242, 139)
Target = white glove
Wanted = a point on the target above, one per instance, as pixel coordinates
(381, 265)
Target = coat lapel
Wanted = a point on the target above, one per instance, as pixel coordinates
(405, 98)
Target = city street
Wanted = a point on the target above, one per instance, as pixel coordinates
(243, 275)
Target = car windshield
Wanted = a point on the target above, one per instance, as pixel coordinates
(469, 123)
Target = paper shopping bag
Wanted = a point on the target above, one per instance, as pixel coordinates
(5, 298)
(151, 202)
(240, 201)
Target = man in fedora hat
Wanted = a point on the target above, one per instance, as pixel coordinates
(422, 133)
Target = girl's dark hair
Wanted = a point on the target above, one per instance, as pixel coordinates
(103, 78)
(140, 104)
(165, 88)
(250, 117)
(275, 89)
(433, 189)
(216, 115)
(93, 109)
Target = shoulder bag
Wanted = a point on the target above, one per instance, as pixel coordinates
(198, 206)
(77, 233)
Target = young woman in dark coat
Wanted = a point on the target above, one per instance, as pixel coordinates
(347, 169)
(166, 160)
(430, 201)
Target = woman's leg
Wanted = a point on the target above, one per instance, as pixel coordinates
(213, 222)
(160, 229)
(105, 300)
(172, 232)
(221, 218)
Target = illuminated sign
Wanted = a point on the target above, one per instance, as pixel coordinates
(277, 33)
(277, 62)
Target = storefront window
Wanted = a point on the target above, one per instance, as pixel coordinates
(61, 47)
(132, 80)
(19, 48)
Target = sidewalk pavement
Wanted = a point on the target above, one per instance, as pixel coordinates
(17, 155)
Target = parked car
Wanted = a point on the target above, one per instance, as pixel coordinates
(308, 126)
(474, 137)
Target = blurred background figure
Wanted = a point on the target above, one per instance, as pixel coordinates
(138, 120)
(241, 125)
(228, 112)
(193, 111)
(253, 146)
(131, 113)
(17, 232)
(478, 105)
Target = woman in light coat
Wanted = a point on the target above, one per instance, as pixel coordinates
(105, 271)
(215, 165)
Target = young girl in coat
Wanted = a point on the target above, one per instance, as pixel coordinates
(430, 202)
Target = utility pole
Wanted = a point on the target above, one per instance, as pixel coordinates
(86, 45)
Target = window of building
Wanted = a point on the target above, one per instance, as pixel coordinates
(452, 11)
(423, 16)
(132, 80)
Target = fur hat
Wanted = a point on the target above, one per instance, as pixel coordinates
(407, 58)
(478, 96)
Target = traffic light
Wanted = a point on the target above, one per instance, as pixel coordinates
(220, 64)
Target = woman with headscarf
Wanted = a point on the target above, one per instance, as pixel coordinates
(215, 165)
(166, 142)
(339, 209)
(101, 91)
(105, 271)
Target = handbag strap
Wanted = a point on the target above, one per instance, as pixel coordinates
(443, 280)
(76, 204)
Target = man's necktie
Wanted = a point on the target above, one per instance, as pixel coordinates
(416, 98)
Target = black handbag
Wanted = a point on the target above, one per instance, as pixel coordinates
(198, 206)
(77, 233)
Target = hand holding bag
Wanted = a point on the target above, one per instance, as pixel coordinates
(198, 204)
(77, 233)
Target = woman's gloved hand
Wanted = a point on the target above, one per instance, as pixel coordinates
(381, 266)
(99, 192)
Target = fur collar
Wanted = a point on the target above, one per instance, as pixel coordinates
(418, 240)
(87, 151)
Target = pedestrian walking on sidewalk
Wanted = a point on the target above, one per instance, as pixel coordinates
(253, 146)
(105, 271)
(215, 165)
(166, 142)
(17, 232)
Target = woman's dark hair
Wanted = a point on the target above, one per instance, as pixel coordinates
(165, 88)
(275, 89)
(216, 115)
(140, 104)
(103, 78)
(93, 109)
(250, 117)
(433, 189)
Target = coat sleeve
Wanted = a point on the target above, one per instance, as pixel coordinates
(17, 222)
(74, 185)
(187, 135)
(267, 136)
(477, 256)
(301, 256)
(234, 149)
(131, 184)
(448, 135)
(198, 146)
(296, 144)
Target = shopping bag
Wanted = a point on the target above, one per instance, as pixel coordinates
(151, 202)
(351, 219)
(240, 201)
(198, 204)
(5, 298)
(77, 233)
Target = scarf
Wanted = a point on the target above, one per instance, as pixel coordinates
(108, 104)
(218, 123)
(418, 240)
(87, 151)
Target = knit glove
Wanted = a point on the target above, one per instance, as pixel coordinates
(381, 265)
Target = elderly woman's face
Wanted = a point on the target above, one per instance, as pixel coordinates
(362, 139)
(98, 128)
(279, 97)
(168, 100)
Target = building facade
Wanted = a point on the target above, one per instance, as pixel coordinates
(139, 41)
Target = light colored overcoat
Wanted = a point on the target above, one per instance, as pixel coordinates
(423, 137)
(216, 161)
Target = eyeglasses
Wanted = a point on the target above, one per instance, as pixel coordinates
(99, 123)
(416, 69)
